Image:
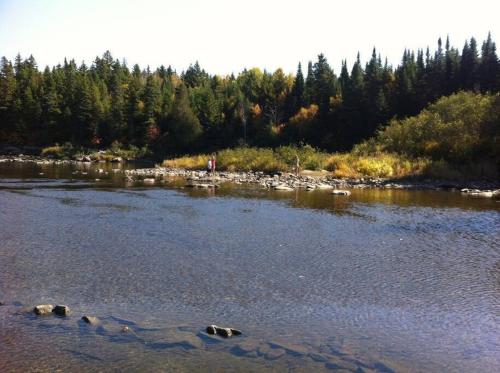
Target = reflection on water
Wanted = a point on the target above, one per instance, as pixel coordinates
(380, 281)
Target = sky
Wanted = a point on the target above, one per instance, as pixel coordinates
(226, 36)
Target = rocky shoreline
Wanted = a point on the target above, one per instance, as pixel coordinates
(307, 180)
(288, 181)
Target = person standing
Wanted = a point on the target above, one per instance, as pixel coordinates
(213, 163)
(209, 165)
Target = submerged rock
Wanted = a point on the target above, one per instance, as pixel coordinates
(271, 353)
(248, 348)
(61, 310)
(43, 309)
(92, 320)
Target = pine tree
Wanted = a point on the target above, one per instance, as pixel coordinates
(488, 69)
(7, 99)
(51, 111)
(324, 85)
(309, 84)
(297, 93)
(184, 127)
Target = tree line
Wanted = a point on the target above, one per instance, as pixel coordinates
(108, 103)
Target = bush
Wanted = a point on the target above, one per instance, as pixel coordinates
(58, 151)
(377, 165)
(459, 128)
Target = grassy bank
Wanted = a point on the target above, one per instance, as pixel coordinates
(354, 164)
(283, 159)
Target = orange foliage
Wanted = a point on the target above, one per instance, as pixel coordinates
(304, 115)
(256, 110)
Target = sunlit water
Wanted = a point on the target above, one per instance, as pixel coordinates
(379, 281)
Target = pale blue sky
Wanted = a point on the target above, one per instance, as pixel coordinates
(228, 35)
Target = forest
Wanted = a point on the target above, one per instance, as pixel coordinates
(168, 113)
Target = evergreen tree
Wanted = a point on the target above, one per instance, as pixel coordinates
(309, 84)
(488, 69)
(7, 100)
(184, 127)
(324, 84)
(469, 65)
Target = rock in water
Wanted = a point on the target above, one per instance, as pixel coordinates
(235, 331)
(339, 192)
(61, 310)
(212, 329)
(43, 309)
(283, 187)
(92, 320)
(223, 332)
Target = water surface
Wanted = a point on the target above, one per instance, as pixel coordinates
(384, 280)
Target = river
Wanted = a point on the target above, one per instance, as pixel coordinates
(379, 281)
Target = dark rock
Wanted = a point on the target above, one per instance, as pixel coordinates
(235, 331)
(61, 310)
(212, 329)
(223, 332)
(92, 320)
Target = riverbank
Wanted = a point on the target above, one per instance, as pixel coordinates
(306, 179)
(309, 180)
(67, 152)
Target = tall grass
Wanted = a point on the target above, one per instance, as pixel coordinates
(385, 165)
(284, 159)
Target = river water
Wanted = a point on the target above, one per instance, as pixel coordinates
(381, 281)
